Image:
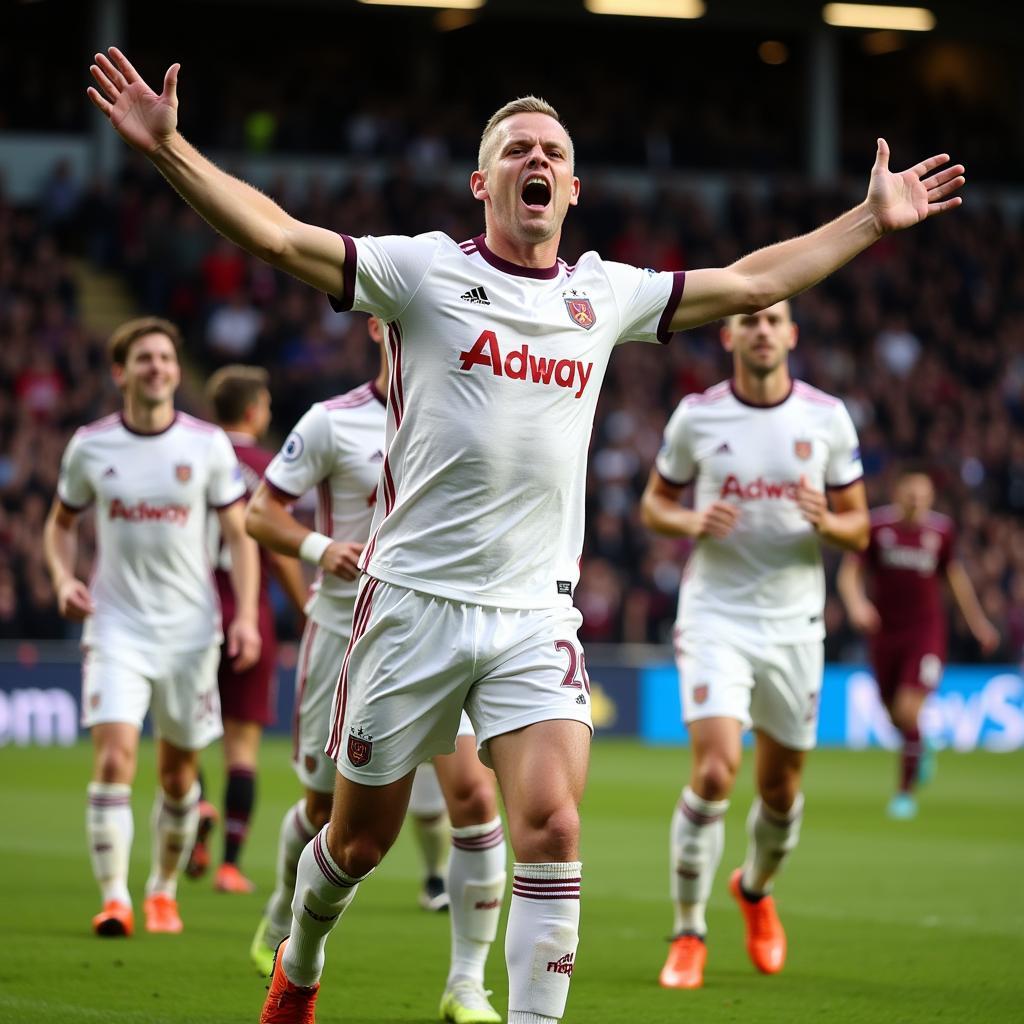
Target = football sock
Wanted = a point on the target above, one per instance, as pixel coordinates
(541, 939)
(910, 759)
(110, 828)
(322, 894)
(173, 826)
(239, 797)
(771, 837)
(430, 820)
(697, 839)
(295, 833)
(476, 884)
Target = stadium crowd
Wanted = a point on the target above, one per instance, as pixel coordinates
(923, 338)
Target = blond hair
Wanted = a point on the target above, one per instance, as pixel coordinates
(523, 105)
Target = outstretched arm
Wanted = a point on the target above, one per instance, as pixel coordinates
(148, 122)
(894, 201)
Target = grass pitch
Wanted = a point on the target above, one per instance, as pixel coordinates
(903, 922)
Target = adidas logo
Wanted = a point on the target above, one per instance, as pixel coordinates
(476, 295)
(723, 449)
(377, 456)
(110, 472)
(581, 699)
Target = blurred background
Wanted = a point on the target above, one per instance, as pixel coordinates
(697, 138)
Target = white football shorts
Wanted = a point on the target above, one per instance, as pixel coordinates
(415, 661)
(321, 654)
(179, 688)
(772, 687)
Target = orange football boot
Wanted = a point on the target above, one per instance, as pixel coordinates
(684, 967)
(230, 879)
(162, 914)
(199, 859)
(287, 1003)
(766, 939)
(115, 920)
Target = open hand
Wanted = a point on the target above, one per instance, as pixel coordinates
(141, 117)
(244, 644)
(901, 200)
(341, 558)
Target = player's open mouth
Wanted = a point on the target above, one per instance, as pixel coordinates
(536, 193)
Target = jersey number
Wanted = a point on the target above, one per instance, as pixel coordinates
(577, 663)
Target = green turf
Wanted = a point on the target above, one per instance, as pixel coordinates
(918, 921)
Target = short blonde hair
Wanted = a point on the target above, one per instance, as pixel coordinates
(523, 105)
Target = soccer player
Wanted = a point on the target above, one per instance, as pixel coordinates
(240, 398)
(337, 447)
(761, 450)
(910, 550)
(497, 351)
(152, 623)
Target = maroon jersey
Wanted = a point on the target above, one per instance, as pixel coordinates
(249, 696)
(905, 563)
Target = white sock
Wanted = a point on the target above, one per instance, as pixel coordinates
(110, 828)
(173, 825)
(295, 832)
(541, 939)
(771, 837)
(430, 821)
(476, 885)
(697, 838)
(322, 894)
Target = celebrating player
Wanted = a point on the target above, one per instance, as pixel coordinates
(762, 449)
(240, 399)
(497, 351)
(905, 622)
(337, 447)
(152, 624)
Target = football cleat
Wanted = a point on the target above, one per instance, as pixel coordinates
(684, 966)
(230, 879)
(434, 894)
(766, 939)
(260, 951)
(115, 920)
(162, 914)
(465, 1002)
(199, 859)
(902, 807)
(287, 1003)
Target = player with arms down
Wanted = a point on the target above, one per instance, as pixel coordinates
(911, 549)
(152, 621)
(761, 450)
(497, 352)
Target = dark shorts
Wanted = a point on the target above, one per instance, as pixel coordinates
(251, 696)
(912, 660)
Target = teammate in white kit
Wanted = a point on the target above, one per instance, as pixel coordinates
(337, 447)
(152, 620)
(497, 352)
(761, 449)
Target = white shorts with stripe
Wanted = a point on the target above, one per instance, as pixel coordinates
(321, 654)
(415, 661)
(773, 687)
(179, 689)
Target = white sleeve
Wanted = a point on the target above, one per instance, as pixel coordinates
(305, 457)
(381, 275)
(844, 466)
(224, 485)
(73, 485)
(675, 462)
(646, 301)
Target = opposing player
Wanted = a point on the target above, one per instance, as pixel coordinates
(761, 450)
(240, 398)
(152, 623)
(910, 551)
(337, 447)
(497, 351)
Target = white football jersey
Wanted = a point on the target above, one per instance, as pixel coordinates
(495, 373)
(766, 577)
(337, 447)
(152, 583)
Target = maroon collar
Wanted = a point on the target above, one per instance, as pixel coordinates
(496, 261)
(147, 433)
(757, 405)
(375, 391)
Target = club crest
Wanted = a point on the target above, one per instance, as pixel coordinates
(802, 449)
(183, 472)
(582, 312)
(310, 762)
(700, 693)
(360, 750)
